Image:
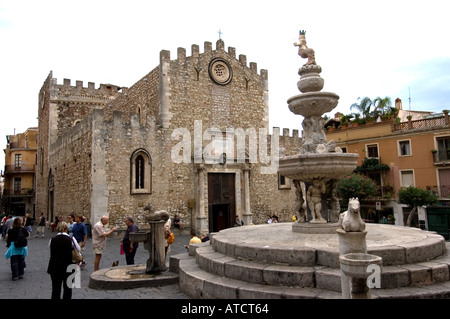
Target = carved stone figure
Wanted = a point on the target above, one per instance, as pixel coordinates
(313, 134)
(314, 199)
(350, 220)
(298, 208)
(155, 215)
(303, 49)
(334, 202)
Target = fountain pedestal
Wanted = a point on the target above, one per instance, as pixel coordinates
(354, 270)
(319, 164)
(154, 243)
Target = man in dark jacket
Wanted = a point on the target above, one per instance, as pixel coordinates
(129, 247)
(60, 259)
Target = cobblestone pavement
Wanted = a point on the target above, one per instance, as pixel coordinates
(36, 283)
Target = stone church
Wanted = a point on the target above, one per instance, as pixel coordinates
(191, 137)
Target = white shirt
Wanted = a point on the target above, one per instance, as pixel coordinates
(74, 242)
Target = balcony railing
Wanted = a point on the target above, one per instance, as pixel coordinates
(420, 124)
(441, 157)
(12, 169)
(19, 192)
(441, 190)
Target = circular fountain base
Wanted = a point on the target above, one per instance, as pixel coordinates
(277, 243)
(315, 228)
(127, 277)
(272, 261)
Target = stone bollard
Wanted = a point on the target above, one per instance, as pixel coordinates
(354, 270)
(154, 240)
(156, 261)
(353, 258)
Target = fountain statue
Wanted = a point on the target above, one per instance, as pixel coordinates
(319, 164)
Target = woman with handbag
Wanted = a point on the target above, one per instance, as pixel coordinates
(61, 247)
(16, 241)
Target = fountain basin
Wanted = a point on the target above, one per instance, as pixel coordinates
(139, 236)
(313, 165)
(128, 277)
(355, 264)
(313, 103)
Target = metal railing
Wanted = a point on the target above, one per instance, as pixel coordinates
(440, 190)
(26, 168)
(19, 192)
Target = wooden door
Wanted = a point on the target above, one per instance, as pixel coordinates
(221, 201)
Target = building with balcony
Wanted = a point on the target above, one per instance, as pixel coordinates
(19, 173)
(395, 154)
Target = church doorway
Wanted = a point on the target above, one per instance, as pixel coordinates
(221, 201)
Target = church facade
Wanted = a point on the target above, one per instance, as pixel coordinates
(191, 137)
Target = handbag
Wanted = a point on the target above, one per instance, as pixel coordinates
(122, 252)
(76, 255)
(171, 239)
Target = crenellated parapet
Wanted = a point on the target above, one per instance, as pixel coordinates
(214, 85)
(79, 93)
(208, 51)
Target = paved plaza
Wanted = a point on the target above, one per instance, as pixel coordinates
(36, 283)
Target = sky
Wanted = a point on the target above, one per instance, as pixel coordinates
(378, 48)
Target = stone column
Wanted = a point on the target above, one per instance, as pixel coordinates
(202, 224)
(156, 262)
(247, 218)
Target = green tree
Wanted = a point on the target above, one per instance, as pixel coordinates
(363, 106)
(415, 197)
(356, 185)
(382, 104)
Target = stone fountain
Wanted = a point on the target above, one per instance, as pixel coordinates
(306, 259)
(319, 164)
(154, 273)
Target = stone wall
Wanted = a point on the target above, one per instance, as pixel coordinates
(88, 138)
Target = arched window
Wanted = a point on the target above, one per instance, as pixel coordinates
(141, 172)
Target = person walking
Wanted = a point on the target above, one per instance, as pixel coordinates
(16, 241)
(28, 222)
(79, 231)
(40, 226)
(129, 247)
(61, 247)
(5, 227)
(99, 235)
(70, 223)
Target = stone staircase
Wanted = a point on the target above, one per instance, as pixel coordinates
(210, 270)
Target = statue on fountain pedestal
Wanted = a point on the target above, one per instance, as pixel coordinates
(303, 49)
(314, 199)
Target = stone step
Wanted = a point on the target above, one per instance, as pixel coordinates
(198, 284)
(422, 273)
(254, 243)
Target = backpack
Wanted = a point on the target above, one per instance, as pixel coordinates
(171, 239)
(21, 240)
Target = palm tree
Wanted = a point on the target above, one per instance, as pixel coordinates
(364, 106)
(383, 104)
